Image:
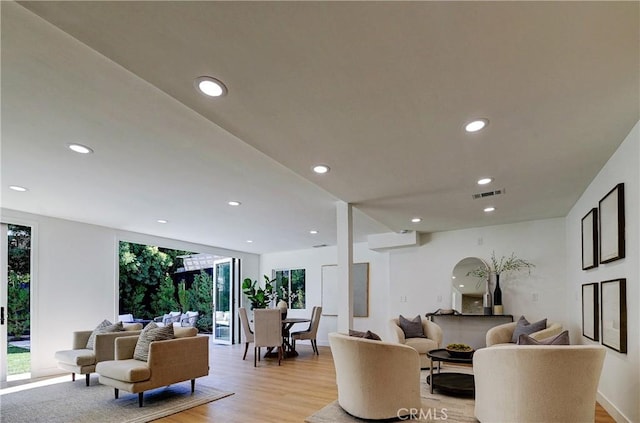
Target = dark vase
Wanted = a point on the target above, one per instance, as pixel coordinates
(497, 293)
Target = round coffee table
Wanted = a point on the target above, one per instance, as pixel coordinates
(452, 383)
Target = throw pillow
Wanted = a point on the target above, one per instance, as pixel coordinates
(151, 333)
(524, 327)
(560, 339)
(411, 328)
(366, 335)
(104, 327)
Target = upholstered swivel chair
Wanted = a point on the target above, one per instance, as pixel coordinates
(311, 332)
(537, 383)
(246, 330)
(433, 339)
(502, 334)
(267, 325)
(376, 380)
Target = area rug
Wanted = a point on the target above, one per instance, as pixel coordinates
(74, 402)
(435, 408)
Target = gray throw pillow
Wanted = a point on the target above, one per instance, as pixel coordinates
(560, 339)
(524, 327)
(151, 333)
(411, 328)
(366, 335)
(104, 327)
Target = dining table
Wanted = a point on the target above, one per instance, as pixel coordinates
(287, 345)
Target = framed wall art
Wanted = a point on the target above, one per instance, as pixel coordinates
(590, 240)
(360, 274)
(590, 311)
(611, 228)
(613, 297)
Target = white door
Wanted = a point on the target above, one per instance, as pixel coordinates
(224, 277)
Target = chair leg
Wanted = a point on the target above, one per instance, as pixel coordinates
(140, 396)
(73, 377)
(255, 356)
(246, 348)
(193, 385)
(116, 392)
(87, 377)
(279, 354)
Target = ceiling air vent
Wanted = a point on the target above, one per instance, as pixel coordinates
(488, 194)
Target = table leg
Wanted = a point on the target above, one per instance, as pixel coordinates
(431, 375)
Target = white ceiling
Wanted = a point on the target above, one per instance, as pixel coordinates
(379, 91)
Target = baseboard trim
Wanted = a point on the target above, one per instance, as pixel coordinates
(613, 411)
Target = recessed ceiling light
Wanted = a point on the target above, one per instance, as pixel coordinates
(18, 188)
(485, 181)
(321, 169)
(461, 286)
(416, 220)
(476, 125)
(489, 209)
(234, 203)
(79, 148)
(162, 221)
(313, 232)
(249, 241)
(210, 86)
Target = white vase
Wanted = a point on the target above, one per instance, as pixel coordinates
(283, 306)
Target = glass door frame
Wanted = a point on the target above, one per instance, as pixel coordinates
(33, 286)
(4, 282)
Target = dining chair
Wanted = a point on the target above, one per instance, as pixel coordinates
(311, 332)
(246, 330)
(267, 332)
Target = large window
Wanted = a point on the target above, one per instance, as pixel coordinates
(290, 286)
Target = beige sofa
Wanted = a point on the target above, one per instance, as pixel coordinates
(376, 380)
(171, 361)
(83, 361)
(537, 383)
(502, 334)
(432, 341)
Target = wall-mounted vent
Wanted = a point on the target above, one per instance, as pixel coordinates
(320, 246)
(488, 194)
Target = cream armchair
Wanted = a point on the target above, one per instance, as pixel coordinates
(81, 360)
(502, 334)
(537, 383)
(185, 357)
(432, 341)
(376, 380)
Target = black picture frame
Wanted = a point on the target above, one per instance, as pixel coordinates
(611, 225)
(613, 312)
(590, 240)
(590, 311)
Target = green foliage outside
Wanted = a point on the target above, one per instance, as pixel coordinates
(148, 291)
(19, 281)
(18, 304)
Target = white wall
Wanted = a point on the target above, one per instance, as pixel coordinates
(423, 274)
(618, 389)
(74, 286)
(312, 260)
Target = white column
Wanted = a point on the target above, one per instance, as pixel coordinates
(345, 262)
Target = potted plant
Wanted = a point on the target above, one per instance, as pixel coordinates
(258, 296)
(505, 264)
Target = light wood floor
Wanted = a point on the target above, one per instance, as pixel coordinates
(289, 393)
